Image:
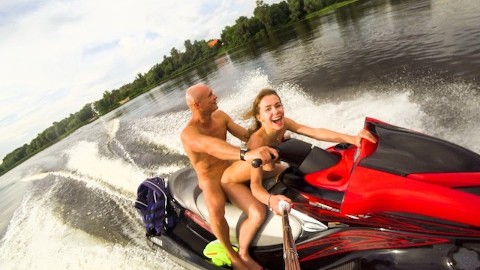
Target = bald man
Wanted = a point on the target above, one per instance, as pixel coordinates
(204, 140)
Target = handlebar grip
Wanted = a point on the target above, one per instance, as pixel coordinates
(256, 163)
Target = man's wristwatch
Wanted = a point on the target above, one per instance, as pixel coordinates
(243, 151)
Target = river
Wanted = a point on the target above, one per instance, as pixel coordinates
(412, 63)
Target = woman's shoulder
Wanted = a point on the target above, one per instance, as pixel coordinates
(257, 139)
(289, 121)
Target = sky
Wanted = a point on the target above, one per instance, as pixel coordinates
(56, 56)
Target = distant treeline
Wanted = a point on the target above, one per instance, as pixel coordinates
(266, 19)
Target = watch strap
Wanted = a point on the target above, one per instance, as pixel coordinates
(243, 151)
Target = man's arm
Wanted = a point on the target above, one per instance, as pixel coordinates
(235, 129)
(193, 140)
(197, 142)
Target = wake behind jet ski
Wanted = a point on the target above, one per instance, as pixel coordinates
(409, 201)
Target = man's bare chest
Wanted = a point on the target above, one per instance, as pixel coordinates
(215, 130)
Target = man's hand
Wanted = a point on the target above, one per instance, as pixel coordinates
(264, 153)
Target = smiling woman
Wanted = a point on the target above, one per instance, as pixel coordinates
(269, 129)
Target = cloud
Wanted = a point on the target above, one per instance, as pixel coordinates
(58, 56)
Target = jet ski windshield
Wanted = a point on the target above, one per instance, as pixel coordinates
(403, 152)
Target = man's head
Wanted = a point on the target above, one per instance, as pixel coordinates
(201, 98)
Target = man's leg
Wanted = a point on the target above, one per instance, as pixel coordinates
(215, 200)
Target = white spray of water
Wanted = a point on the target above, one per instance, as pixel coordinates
(162, 130)
(84, 157)
(344, 116)
(37, 239)
(112, 132)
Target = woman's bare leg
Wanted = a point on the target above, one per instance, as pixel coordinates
(255, 211)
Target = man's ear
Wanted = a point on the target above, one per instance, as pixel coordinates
(196, 105)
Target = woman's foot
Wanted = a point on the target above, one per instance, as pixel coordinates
(239, 264)
(251, 263)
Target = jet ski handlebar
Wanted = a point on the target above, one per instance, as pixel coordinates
(258, 162)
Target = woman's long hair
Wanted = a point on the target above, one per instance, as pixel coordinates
(255, 110)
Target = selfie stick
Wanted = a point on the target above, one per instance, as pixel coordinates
(290, 254)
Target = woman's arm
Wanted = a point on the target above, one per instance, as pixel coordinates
(327, 135)
(260, 193)
(256, 180)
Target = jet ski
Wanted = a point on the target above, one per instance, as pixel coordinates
(409, 201)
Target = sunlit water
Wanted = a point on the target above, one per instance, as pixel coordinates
(70, 207)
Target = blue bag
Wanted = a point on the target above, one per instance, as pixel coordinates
(155, 206)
